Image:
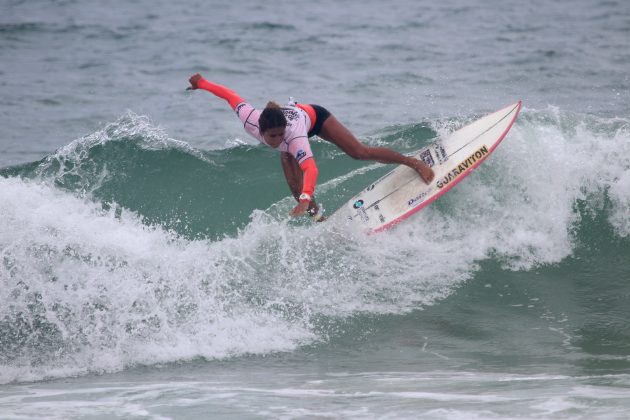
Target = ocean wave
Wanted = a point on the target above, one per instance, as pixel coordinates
(97, 277)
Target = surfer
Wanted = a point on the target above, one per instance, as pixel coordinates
(287, 129)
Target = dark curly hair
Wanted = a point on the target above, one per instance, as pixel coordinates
(271, 117)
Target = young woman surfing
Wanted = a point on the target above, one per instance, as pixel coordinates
(288, 129)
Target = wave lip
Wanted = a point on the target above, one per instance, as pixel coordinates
(96, 285)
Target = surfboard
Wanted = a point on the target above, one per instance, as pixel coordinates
(401, 192)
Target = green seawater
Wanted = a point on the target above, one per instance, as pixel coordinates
(149, 268)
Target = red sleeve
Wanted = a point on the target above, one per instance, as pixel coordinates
(229, 95)
(310, 176)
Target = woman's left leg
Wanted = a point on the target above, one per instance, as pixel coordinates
(335, 132)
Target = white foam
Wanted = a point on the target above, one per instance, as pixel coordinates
(73, 158)
(520, 205)
(115, 292)
(620, 196)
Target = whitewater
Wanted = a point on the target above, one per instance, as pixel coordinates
(149, 268)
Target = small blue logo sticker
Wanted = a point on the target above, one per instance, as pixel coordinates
(358, 204)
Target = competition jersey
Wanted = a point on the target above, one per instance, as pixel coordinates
(295, 136)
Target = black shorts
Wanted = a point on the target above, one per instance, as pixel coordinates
(321, 114)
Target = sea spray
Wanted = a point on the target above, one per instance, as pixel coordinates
(86, 290)
(89, 287)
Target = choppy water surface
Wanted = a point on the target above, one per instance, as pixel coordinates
(149, 269)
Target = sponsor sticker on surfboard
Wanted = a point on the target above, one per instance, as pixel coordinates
(401, 192)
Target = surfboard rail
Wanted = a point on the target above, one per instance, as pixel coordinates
(475, 147)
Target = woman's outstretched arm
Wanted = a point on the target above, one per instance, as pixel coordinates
(198, 82)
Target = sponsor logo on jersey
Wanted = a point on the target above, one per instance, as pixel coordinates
(290, 114)
(300, 154)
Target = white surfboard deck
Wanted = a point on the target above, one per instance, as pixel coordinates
(402, 192)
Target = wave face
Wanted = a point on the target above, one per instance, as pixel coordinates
(127, 247)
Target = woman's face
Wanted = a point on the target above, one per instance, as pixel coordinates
(274, 136)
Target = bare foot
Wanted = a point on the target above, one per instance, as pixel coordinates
(425, 172)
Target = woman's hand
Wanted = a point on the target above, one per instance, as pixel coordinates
(300, 209)
(194, 79)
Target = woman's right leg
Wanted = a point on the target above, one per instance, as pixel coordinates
(335, 132)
